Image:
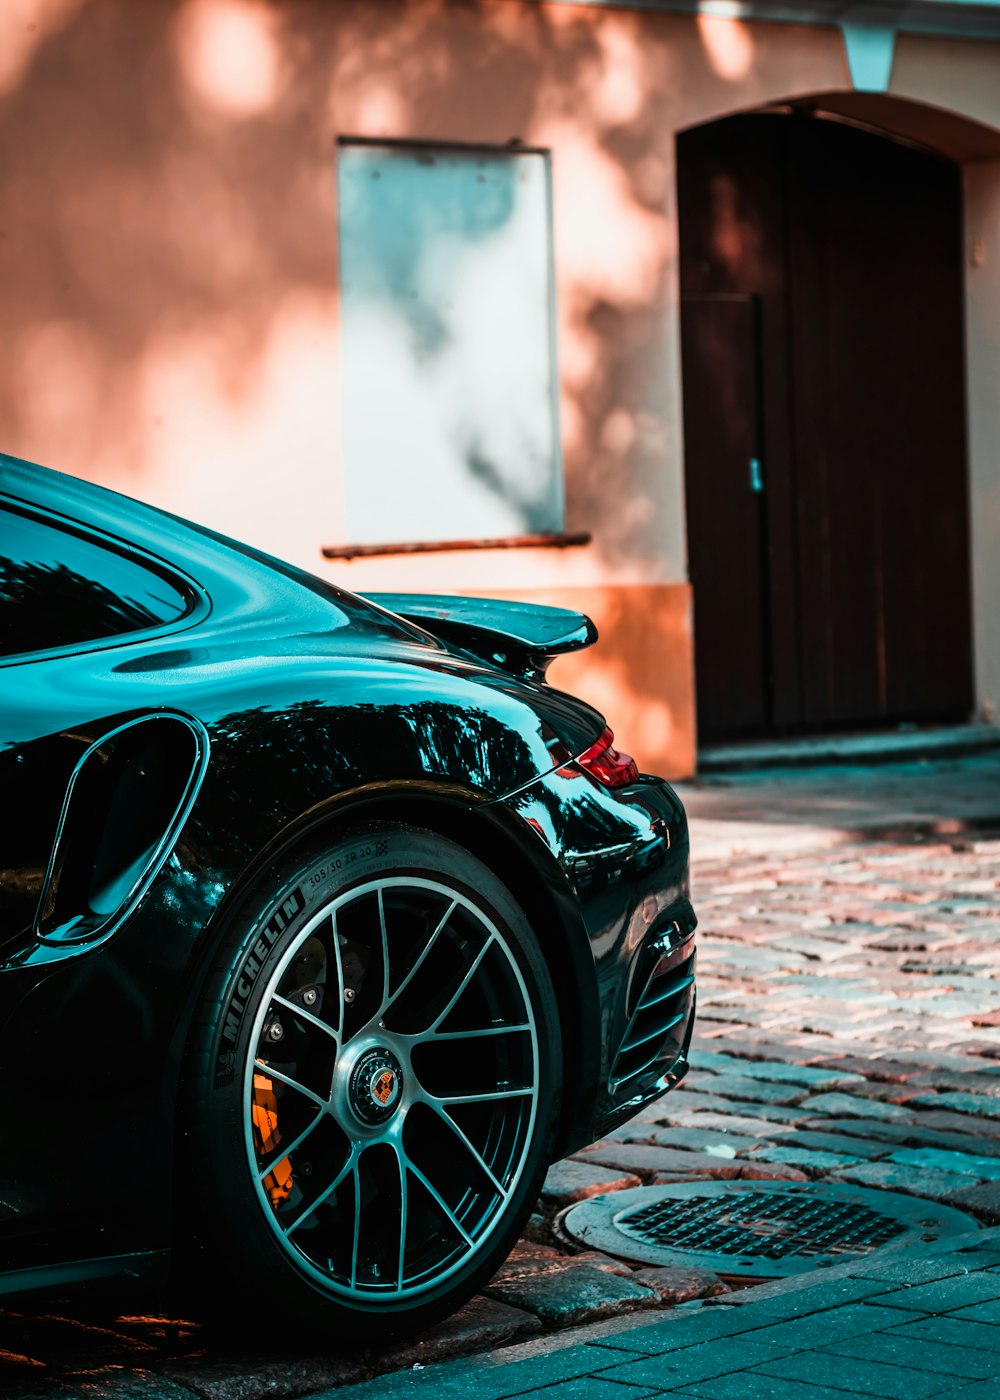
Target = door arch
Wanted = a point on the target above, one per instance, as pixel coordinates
(825, 426)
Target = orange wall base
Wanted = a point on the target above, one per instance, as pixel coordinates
(640, 674)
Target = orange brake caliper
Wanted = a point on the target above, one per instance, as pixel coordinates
(278, 1183)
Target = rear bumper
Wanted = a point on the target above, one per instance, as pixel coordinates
(625, 853)
(652, 1055)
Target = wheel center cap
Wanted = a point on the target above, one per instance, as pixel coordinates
(375, 1086)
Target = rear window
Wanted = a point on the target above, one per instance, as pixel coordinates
(60, 587)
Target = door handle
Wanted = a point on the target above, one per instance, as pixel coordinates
(756, 479)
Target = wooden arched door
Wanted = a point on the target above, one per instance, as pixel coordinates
(824, 424)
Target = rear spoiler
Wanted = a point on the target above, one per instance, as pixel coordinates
(520, 637)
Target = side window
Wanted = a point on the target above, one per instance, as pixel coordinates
(449, 375)
(59, 588)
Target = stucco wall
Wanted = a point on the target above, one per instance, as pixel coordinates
(169, 279)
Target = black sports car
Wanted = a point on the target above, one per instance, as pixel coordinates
(325, 924)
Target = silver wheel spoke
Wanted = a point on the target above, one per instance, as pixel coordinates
(282, 1152)
(464, 983)
(324, 1196)
(304, 1015)
(341, 984)
(436, 1194)
(471, 1148)
(492, 1096)
(385, 951)
(289, 1082)
(403, 1164)
(477, 1035)
(423, 953)
(357, 1222)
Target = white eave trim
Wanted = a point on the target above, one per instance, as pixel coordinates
(965, 19)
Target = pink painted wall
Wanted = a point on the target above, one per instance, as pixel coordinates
(168, 258)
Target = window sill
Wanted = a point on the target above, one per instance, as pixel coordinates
(368, 551)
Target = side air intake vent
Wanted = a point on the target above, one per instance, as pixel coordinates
(656, 1024)
(125, 804)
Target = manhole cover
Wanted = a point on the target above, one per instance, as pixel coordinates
(757, 1229)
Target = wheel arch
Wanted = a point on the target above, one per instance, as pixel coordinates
(516, 855)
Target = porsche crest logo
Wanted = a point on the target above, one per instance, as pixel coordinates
(383, 1086)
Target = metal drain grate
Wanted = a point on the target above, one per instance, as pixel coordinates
(745, 1229)
(761, 1227)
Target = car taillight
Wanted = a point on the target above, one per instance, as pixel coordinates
(603, 762)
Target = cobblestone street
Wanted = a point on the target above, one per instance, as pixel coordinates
(849, 1031)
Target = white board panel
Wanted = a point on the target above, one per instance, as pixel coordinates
(449, 392)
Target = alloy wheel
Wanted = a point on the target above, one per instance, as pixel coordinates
(391, 1088)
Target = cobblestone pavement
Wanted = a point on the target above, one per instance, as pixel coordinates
(910, 1327)
(849, 1030)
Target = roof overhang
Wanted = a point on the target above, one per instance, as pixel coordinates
(969, 19)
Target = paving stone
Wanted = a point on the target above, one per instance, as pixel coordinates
(713, 1104)
(756, 1046)
(966, 1164)
(981, 1255)
(479, 1380)
(802, 1296)
(949, 1122)
(741, 1087)
(744, 1126)
(941, 1058)
(637, 1130)
(251, 1378)
(911, 1268)
(988, 1311)
(780, 1071)
(811, 1162)
(976, 1390)
(61, 1342)
(689, 1364)
(681, 1107)
(771, 1171)
(983, 1201)
(675, 1286)
(892, 1071)
(888, 1093)
(483, 1323)
(949, 1295)
(589, 1388)
(822, 1328)
(890, 1176)
(575, 1180)
(973, 1082)
(916, 1133)
(744, 1385)
(847, 1106)
(571, 1296)
(537, 1228)
(941, 1358)
(978, 1105)
(873, 1378)
(952, 1330)
(131, 1385)
(857, 1147)
(717, 1142)
(523, 1263)
(644, 1160)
